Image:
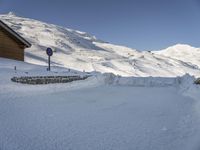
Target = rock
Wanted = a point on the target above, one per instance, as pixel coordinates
(47, 79)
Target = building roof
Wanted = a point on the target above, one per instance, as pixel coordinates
(15, 34)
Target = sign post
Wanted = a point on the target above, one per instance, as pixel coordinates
(49, 52)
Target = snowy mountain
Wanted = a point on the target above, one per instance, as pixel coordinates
(83, 52)
(182, 52)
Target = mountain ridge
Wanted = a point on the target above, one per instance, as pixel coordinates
(83, 52)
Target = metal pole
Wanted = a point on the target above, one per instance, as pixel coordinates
(49, 64)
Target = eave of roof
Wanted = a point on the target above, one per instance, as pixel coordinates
(15, 34)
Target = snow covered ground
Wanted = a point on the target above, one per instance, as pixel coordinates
(103, 112)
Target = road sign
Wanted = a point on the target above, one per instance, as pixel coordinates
(49, 52)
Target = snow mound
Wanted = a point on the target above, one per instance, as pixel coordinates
(140, 81)
(183, 82)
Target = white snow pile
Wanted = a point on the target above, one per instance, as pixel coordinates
(185, 84)
(184, 81)
(80, 51)
(141, 81)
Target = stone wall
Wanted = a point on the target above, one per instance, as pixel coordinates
(197, 81)
(47, 79)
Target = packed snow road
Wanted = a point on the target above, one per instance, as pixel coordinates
(105, 117)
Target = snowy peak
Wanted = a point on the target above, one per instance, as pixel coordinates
(181, 48)
(182, 52)
(11, 14)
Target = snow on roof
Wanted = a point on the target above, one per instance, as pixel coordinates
(15, 34)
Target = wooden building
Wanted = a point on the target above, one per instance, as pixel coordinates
(12, 45)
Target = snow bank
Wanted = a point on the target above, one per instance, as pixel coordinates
(183, 81)
(188, 88)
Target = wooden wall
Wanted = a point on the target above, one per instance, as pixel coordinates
(10, 47)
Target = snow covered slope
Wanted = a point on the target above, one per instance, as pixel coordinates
(81, 51)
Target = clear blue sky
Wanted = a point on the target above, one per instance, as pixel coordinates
(140, 24)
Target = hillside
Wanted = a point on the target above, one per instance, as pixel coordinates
(83, 52)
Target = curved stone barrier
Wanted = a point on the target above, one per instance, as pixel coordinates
(197, 81)
(47, 79)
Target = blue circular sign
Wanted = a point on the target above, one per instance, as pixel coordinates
(49, 52)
